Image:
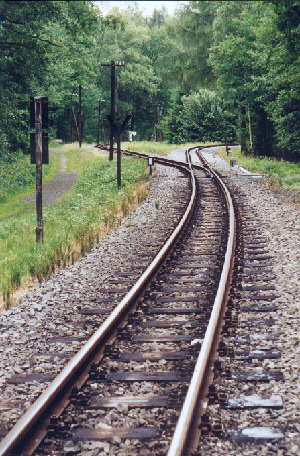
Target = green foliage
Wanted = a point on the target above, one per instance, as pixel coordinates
(256, 60)
(205, 117)
(17, 175)
(282, 173)
(192, 35)
(74, 220)
(45, 48)
(247, 53)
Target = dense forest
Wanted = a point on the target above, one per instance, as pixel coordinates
(216, 71)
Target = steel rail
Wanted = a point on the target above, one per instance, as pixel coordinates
(184, 422)
(30, 418)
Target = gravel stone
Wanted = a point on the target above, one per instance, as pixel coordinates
(46, 328)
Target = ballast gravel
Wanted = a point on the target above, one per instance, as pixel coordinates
(41, 334)
(278, 220)
(51, 309)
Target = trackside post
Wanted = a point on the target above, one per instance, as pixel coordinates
(39, 153)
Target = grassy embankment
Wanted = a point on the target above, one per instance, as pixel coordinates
(17, 179)
(282, 173)
(73, 224)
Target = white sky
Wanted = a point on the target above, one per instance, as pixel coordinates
(147, 7)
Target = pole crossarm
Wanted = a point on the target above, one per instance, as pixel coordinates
(122, 126)
(118, 130)
(113, 63)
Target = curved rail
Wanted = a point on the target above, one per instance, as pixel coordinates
(183, 425)
(30, 418)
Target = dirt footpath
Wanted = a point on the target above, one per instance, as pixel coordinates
(61, 183)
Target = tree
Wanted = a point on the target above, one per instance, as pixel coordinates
(46, 47)
(192, 34)
(256, 61)
(205, 117)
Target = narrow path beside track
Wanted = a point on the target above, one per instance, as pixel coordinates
(60, 184)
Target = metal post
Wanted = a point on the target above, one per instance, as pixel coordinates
(112, 106)
(79, 118)
(38, 157)
(118, 128)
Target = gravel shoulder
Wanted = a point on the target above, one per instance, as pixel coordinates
(40, 334)
(51, 310)
(279, 221)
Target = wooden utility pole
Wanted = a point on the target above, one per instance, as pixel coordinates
(158, 107)
(250, 130)
(242, 128)
(156, 122)
(112, 65)
(112, 106)
(39, 153)
(118, 130)
(72, 117)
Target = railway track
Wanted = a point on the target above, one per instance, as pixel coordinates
(132, 392)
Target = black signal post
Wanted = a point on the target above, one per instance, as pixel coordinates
(112, 65)
(39, 153)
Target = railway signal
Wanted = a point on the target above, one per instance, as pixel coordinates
(39, 153)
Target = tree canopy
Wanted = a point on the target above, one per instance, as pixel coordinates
(217, 70)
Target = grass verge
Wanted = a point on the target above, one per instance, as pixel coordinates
(72, 225)
(17, 180)
(282, 173)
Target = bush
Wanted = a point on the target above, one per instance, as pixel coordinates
(205, 117)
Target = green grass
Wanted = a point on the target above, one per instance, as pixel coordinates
(161, 148)
(17, 180)
(282, 173)
(73, 224)
(76, 156)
